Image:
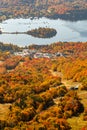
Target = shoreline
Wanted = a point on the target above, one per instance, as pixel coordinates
(72, 15)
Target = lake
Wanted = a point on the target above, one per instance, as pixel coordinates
(66, 31)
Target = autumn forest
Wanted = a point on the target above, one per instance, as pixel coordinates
(65, 9)
(43, 86)
(32, 92)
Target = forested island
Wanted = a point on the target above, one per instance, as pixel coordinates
(42, 32)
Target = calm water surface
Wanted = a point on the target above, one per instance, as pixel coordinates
(66, 31)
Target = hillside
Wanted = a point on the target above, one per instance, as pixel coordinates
(32, 92)
(66, 9)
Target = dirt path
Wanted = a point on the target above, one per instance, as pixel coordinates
(77, 123)
(67, 83)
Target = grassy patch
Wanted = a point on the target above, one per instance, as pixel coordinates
(77, 122)
(4, 111)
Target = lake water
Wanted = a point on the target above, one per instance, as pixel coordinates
(66, 31)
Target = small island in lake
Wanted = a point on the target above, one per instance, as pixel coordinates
(42, 32)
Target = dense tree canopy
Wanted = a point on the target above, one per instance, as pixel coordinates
(42, 32)
(29, 88)
(67, 9)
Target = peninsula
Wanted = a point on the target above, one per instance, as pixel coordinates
(40, 32)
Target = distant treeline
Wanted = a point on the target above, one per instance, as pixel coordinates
(72, 15)
(9, 47)
(65, 9)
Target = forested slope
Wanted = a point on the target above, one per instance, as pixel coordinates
(67, 9)
(28, 89)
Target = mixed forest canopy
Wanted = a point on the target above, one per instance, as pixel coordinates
(66, 9)
(42, 32)
(33, 97)
(38, 93)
